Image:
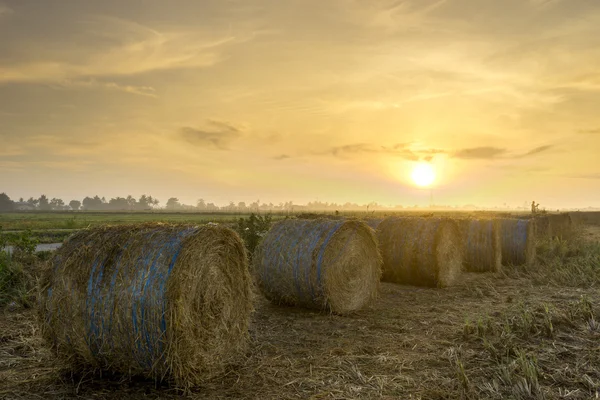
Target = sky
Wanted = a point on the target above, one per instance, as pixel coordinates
(300, 100)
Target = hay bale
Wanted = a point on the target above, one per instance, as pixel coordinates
(163, 301)
(543, 228)
(553, 226)
(420, 251)
(518, 241)
(482, 250)
(562, 226)
(324, 264)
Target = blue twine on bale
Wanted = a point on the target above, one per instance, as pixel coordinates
(516, 239)
(299, 256)
(148, 291)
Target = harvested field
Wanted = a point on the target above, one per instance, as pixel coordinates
(527, 332)
(472, 341)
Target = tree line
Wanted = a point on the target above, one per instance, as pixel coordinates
(147, 202)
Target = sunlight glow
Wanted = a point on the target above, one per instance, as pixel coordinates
(423, 174)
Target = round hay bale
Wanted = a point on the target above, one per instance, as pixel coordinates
(324, 264)
(543, 230)
(168, 302)
(482, 250)
(562, 226)
(554, 226)
(518, 241)
(420, 251)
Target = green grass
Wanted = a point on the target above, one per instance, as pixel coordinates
(70, 220)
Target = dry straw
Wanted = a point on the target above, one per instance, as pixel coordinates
(324, 264)
(420, 251)
(518, 241)
(169, 302)
(482, 250)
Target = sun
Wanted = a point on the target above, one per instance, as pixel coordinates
(423, 174)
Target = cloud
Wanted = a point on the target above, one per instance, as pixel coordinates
(480, 153)
(5, 10)
(406, 151)
(586, 176)
(489, 153)
(117, 47)
(282, 157)
(536, 150)
(589, 131)
(218, 135)
(147, 91)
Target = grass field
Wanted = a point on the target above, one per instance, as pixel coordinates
(79, 220)
(523, 333)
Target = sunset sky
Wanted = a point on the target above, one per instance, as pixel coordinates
(302, 99)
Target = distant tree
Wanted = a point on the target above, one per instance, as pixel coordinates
(75, 204)
(131, 202)
(88, 203)
(143, 203)
(231, 206)
(118, 203)
(173, 204)
(201, 205)
(33, 202)
(56, 204)
(242, 206)
(146, 202)
(211, 207)
(94, 203)
(43, 202)
(6, 204)
(21, 200)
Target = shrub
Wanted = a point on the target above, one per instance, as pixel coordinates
(252, 229)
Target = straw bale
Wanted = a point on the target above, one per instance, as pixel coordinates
(331, 265)
(482, 251)
(420, 251)
(518, 241)
(168, 302)
(554, 226)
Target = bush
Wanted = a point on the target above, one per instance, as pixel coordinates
(252, 229)
(13, 282)
(16, 283)
(24, 245)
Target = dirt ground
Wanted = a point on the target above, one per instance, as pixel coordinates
(496, 336)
